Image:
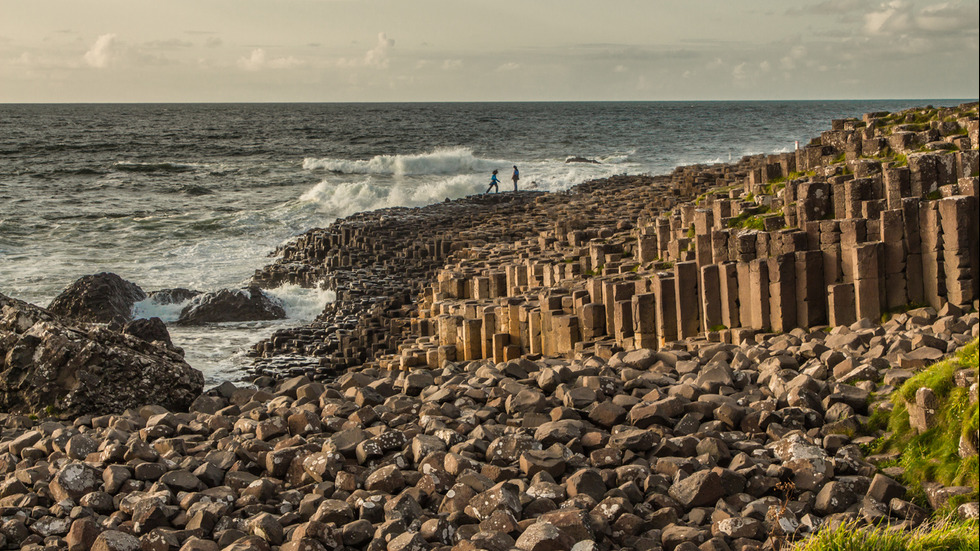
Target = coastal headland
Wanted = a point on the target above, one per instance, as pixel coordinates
(679, 362)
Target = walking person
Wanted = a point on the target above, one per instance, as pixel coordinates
(515, 177)
(493, 183)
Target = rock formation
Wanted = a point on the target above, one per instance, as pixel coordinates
(679, 362)
(98, 298)
(52, 365)
(249, 304)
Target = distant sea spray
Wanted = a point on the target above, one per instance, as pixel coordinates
(385, 181)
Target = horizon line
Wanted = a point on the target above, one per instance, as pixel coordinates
(287, 102)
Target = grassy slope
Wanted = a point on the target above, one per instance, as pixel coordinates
(934, 455)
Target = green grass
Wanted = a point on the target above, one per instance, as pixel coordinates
(933, 456)
(944, 535)
(774, 186)
(747, 221)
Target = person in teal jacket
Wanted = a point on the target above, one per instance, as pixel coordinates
(493, 183)
(515, 177)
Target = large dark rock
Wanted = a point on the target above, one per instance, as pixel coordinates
(249, 304)
(99, 298)
(53, 365)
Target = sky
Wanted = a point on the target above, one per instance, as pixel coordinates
(499, 50)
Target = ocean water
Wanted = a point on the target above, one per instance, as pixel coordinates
(198, 196)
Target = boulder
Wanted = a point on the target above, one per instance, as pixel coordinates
(150, 330)
(99, 298)
(701, 489)
(53, 365)
(249, 304)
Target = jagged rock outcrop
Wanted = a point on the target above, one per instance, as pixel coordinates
(50, 364)
(249, 304)
(99, 298)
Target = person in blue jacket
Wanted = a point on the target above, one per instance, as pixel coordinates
(515, 177)
(493, 183)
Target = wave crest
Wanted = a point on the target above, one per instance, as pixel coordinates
(453, 160)
(347, 198)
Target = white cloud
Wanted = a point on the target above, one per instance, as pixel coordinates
(375, 57)
(903, 17)
(506, 67)
(452, 64)
(739, 71)
(378, 56)
(259, 60)
(789, 61)
(101, 54)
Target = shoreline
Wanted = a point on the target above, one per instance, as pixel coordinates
(543, 371)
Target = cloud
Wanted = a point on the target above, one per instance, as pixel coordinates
(739, 71)
(378, 56)
(789, 61)
(903, 17)
(101, 54)
(506, 67)
(259, 60)
(375, 57)
(452, 64)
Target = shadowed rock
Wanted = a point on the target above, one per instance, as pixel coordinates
(99, 298)
(53, 365)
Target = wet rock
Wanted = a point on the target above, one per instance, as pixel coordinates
(249, 304)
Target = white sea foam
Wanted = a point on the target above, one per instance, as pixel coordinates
(341, 196)
(150, 308)
(453, 160)
(346, 198)
(302, 304)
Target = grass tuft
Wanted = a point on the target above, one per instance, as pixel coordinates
(944, 535)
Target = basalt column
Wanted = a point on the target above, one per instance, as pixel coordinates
(958, 215)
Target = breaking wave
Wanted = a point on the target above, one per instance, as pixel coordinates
(454, 160)
(347, 198)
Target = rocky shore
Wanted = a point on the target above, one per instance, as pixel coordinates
(678, 362)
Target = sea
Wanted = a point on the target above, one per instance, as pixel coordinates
(199, 195)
